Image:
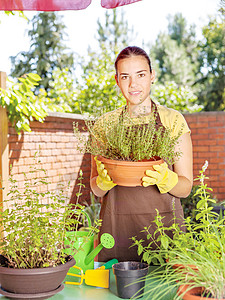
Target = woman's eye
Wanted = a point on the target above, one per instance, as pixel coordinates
(124, 77)
(141, 75)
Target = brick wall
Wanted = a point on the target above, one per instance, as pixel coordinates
(55, 140)
(208, 137)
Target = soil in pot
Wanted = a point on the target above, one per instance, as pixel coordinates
(128, 173)
(127, 274)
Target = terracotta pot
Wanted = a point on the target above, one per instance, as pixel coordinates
(30, 282)
(192, 294)
(128, 173)
(182, 267)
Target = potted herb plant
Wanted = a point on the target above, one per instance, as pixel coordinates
(193, 260)
(124, 146)
(33, 260)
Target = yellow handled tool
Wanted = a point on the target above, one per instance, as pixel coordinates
(98, 277)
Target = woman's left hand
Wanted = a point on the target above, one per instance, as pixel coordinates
(163, 177)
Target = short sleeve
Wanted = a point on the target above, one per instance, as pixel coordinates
(173, 120)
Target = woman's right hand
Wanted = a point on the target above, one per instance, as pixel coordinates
(103, 181)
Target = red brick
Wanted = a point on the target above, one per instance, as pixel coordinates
(217, 124)
(206, 130)
(217, 172)
(200, 137)
(221, 130)
(200, 125)
(221, 142)
(206, 155)
(201, 149)
(216, 148)
(207, 142)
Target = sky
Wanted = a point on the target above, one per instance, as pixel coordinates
(147, 17)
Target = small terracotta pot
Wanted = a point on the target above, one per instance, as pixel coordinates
(128, 173)
(192, 294)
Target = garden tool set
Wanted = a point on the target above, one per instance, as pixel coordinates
(98, 277)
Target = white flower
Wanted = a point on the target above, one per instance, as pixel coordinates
(205, 166)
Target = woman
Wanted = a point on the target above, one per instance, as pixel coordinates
(127, 210)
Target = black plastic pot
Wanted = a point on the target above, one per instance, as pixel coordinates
(130, 273)
(42, 281)
(219, 209)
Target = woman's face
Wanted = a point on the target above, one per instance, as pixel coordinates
(134, 80)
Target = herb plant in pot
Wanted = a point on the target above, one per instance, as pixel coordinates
(195, 257)
(126, 148)
(79, 240)
(33, 262)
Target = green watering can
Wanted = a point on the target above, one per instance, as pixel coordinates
(85, 257)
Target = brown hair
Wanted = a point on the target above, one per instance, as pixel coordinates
(132, 51)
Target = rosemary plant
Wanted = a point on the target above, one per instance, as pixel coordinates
(123, 139)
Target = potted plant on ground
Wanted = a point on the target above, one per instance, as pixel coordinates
(191, 260)
(33, 261)
(123, 145)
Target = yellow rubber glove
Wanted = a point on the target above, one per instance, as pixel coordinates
(163, 177)
(103, 181)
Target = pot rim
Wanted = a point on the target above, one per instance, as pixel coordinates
(39, 271)
(130, 272)
(158, 160)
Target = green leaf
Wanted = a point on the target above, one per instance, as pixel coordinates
(165, 242)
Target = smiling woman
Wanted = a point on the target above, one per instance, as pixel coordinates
(127, 209)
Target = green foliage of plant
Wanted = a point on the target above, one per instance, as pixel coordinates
(92, 209)
(122, 139)
(189, 203)
(34, 226)
(198, 253)
(61, 96)
(20, 102)
(180, 98)
(199, 234)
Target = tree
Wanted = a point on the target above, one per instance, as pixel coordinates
(97, 87)
(47, 52)
(175, 52)
(212, 82)
(177, 97)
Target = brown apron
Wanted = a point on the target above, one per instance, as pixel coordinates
(126, 211)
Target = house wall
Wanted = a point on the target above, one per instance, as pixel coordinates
(54, 142)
